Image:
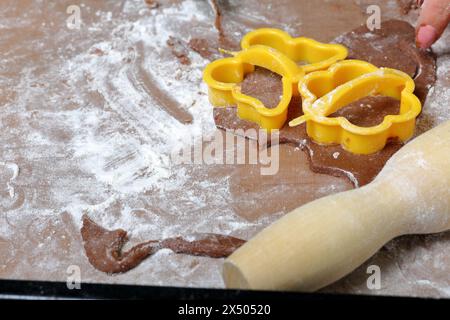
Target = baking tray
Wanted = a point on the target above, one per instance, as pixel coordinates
(26, 290)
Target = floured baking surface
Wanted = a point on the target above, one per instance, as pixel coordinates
(90, 117)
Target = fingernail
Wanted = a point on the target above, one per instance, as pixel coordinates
(426, 36)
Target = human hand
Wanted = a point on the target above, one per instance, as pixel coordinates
(434, 18)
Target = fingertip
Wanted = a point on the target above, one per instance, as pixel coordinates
(426, 36)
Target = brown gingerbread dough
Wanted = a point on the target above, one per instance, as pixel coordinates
(104, 247)
(332, 159)
(392, 46)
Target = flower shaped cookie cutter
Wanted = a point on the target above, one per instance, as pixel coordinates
(325, 92)
(278, 52)
(313, 54)
(224, 75)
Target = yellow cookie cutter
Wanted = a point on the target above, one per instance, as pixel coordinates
(317, 55)
(325, 92)
(224, 75)
(278, 52)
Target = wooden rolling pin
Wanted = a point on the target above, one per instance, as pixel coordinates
(324, 240)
